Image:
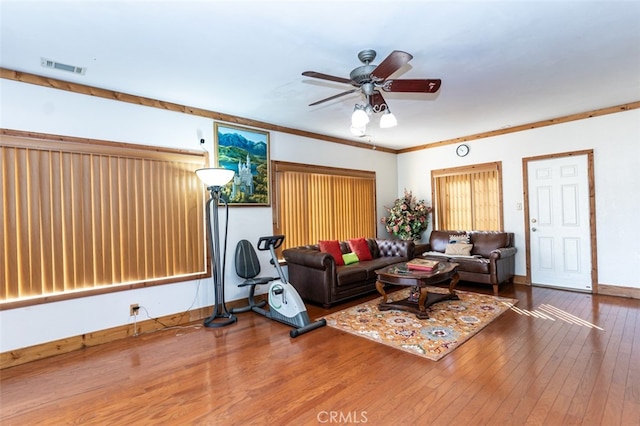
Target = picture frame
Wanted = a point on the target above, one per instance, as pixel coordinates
(246, 152)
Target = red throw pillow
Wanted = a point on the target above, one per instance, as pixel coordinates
(333, 248)
(360, 247)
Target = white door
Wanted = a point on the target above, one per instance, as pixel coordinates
(559, 222)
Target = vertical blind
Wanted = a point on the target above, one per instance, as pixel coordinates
(315, 203)
(74, 219)
(468, 197)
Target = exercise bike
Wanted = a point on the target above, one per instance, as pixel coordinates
(285, 304)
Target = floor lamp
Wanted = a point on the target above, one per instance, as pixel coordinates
(215, 179)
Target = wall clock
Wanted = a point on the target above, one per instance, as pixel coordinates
(462, 150)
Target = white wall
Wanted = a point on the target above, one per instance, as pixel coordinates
(615, 140)
(38, 109)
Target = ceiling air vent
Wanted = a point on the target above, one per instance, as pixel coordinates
(48, 63)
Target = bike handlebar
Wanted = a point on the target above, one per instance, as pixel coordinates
(265, 243)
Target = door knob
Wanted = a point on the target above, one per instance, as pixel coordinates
(533, 229)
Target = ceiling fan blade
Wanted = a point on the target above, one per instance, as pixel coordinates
(392, 63)
(335, 96)
(412, 85)
(326, 77)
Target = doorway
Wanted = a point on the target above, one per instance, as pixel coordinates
(560, 221)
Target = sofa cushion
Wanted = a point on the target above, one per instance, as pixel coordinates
(436, 254)
(378, 263)
(360, 247)
(333, 248)
(477, 265)
(351, 274)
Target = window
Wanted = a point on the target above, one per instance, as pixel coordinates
(468, 198)
(314, 203)
(83, 217)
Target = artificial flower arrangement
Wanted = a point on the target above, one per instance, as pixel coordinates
(408, 218)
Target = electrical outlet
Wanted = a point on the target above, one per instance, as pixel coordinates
(134, 308)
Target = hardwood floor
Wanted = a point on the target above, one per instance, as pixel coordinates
(521, 369)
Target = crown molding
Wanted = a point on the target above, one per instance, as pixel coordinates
(54, 83)
(83, 89)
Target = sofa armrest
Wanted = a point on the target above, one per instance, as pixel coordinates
(308, 257)
(503, 253)
(502, 265)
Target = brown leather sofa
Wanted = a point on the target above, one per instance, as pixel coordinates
(491, 260)
(319, 280)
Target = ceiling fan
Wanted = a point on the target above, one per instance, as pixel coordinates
(371, 80)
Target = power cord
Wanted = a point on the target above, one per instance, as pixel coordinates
(168, 327)
(154, 319)
(195, 298)
(165, 326)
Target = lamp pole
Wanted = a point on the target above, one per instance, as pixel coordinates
(220, 316)
(214, 178)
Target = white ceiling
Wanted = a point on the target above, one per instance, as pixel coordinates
(501, 63)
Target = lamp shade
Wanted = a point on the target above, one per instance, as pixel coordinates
(388, 120)
(359, 118)
(215, 176)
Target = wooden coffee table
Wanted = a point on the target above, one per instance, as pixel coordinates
(399, 274)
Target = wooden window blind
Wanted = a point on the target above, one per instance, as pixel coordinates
(317, 203)
(83, 215)
(468, 198)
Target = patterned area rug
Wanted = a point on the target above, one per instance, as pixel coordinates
(450, 323)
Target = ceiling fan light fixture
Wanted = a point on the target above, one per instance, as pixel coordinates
(371, 80)
(359, 118)
(388, 120)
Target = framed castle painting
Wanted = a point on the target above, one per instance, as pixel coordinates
(246, 152)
